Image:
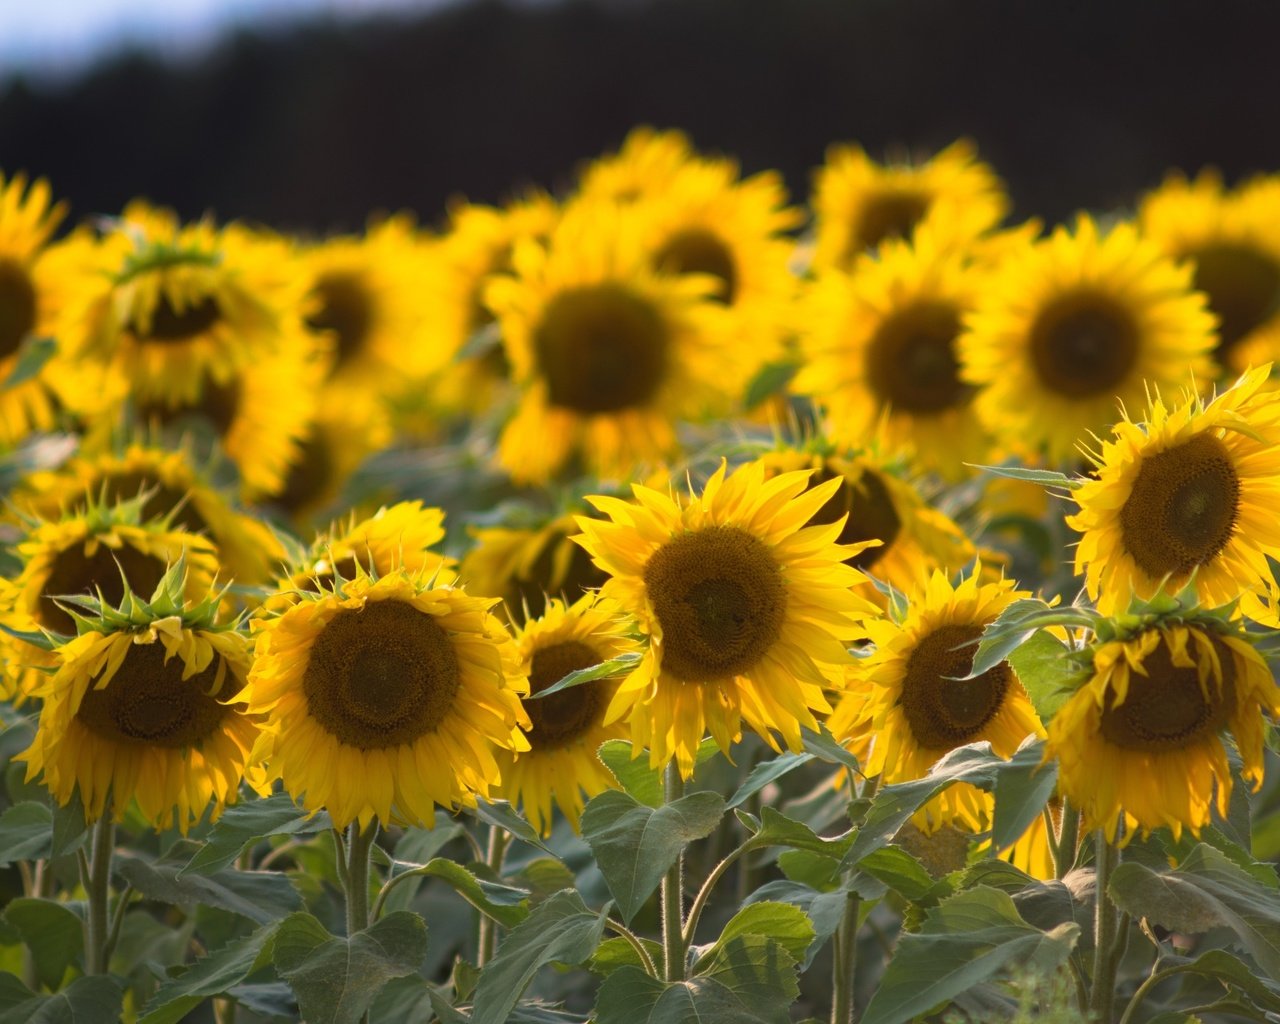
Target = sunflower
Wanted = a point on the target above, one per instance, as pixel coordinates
(102, 550)
(1232, 241)
(748, 611)
(174, 486)
(27, 219)
(137, 711)
(646, 164)
(1187, 498)
(385, 698)
(858, 203)
(524, 566)
(561, 764)
(911, 704)
(1141, 740)
(606, 352)
(1081, 323)
(880, 345)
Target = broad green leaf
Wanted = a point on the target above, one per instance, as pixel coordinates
(785, 923)
(89, 1000)
(337, 979)
(1047, 672)
(632, 769)
(271, 999)
(826, 747)
(771, 379)
(964, 941)
(246, 823)
(766, 772)
(502, 814)
(1022, 790)
(12, 991)
(32, 356)
(1230, 970)
(53, 932)
(824, 909)
(1014, 626)
(635, 844)
(776, 829)
(26, 832)
(213, 975)
(561, 929)
(610, 669)
(261, 896)
(900, 871)
(543, 877)
(409, 1000)
(618, 952)
(69, 827)
(1045, 477)
(504, 903)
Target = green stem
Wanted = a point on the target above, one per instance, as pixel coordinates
(700, 901)
(1068, 839)
(488, 939)
(97, 885)
(845, 962)
(1102, 986)
(673, 892)
(1155, 978)
(117, 920)
(359, 847)
(635, 944)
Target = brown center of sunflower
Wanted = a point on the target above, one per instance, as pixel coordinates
(381, 676)
(309, 477)
(698, 251)
(1182, 508)
(164, 499)
(17, 307)
(218, 403)
(172, 325)
(72, 572)
(720, 599)
(943, 710)
(1083, 345)
(148, 701)
(562, 569)
(872, 514)
(1166, 709)
(346, 309)
(1243, 286)
(887, 215)
(602, 348)
(911, 361)
(561, 718)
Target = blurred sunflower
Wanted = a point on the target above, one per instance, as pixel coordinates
(1186, 498)
(746, 608)
(909, 703)
(386, 698)
(1081, 323)
(1141, 740)
(561, 764)
(858, 204)
(138, 711)
(880, 348)
(1232, 241)
(607, 353)
(645, 165)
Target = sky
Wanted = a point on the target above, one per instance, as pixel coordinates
(55, 38)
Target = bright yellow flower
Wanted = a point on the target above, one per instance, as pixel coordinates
(646, 164)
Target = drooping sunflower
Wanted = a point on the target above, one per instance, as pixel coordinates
(606, 352)
(138, 711)
(1140, 742)
(1185, 498)
(524, 566)
(858, 203)
(386, 698)
(1232, 241)
(27, 218)
(1081, 323)
(748, 610)
(646, 163)
(909, 703)
(881, 352)
(561, 765)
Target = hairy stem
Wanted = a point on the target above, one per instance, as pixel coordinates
(1102, 987)
(1068, 839)
(488, 939)
(673, 892)
(845, 962)
(97, 885)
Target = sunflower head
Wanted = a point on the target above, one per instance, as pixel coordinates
(647, 162)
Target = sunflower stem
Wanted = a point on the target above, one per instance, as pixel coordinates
(845, 961)
(97, 886)
(673, 892)
(1068, 839)
(1102, 986)
(359, 848)
(488, 938)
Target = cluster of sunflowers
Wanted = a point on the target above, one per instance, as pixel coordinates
(917, 403)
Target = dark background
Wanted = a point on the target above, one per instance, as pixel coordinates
(1077, 104)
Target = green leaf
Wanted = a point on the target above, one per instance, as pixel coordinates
(337, 979)
(69, 826)
(766, 772)
(53, 933)
(502, 814)
(632, 770)
(826, 747)
(12, 991)
(213, 975)
(964, 941)
(776, 829)
(1022, 790)
(1232, 971)
(1205, 891)
(561, 929)
(635, 844)
(824, 909)
(246, 823)
(784, 923)
(32, 356)
(1044, 477)
(617, 952)
(900, 871)
(505, 904)
(91, 1000)
(410, 1000)
(771, 379)
(261, 896)
(1047, 671)
(26, 832)
(610, 669)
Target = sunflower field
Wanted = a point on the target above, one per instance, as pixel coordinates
(655, 603)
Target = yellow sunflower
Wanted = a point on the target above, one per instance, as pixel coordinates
(858, 203)
(606, 352)
(880, 348)
(648, 161)
(27, 219)
(1232, 241)
(386, 698)
(524, 566)
(138, 711)
(909, 703)
(746, 608)
(1141, 740)
(1186, 498)
(561, 764)
(1081, 323)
